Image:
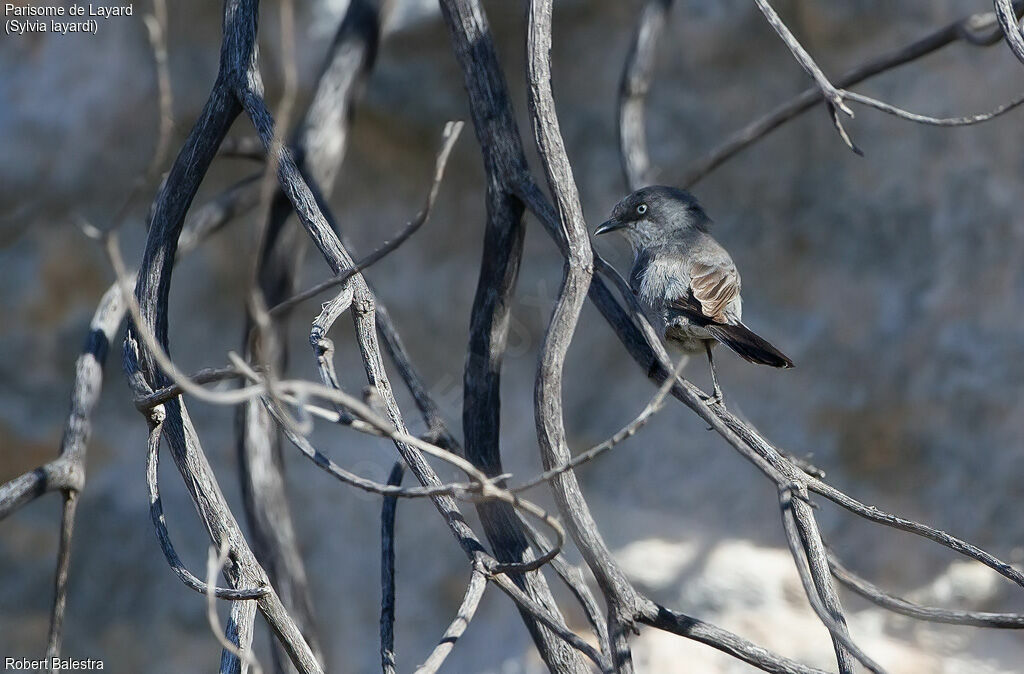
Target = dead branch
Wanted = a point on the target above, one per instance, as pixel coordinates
(633, 87)
(474, 593)
(834, 97)
(387, 572)
(319, 143)
(156, 512)
(237, 642)
(976, 29)
(899, 605)
(1007, 16)
(504, 163)
(451, 134)
(237, 73)
(298, 178)
(805, 547)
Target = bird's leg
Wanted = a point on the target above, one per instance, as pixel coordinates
(716, 397)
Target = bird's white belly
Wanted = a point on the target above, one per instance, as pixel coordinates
(687, 337)
(666, 280)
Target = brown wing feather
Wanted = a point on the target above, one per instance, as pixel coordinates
(714, 287)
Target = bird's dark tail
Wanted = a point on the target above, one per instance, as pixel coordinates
(748, 345)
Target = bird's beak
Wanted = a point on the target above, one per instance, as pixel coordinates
(608, 226)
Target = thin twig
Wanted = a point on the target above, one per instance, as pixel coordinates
(804, 544)
(573, 578)
(467, 609)
(156, 513)
(633, 87)
(504, 162)
(653, 406)
(207, 375)
(450, 135)
(832, 95)
(873, 514)
(388, 511)
(214, 564)
(912, 610)
(934, 121)
(156, 30)
(976, 29)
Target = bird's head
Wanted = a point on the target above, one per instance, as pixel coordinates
(655, 215)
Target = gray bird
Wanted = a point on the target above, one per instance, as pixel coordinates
(684, 279)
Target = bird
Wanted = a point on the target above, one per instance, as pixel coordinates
(684, 279)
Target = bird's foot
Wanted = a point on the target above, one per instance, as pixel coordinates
(715, 399)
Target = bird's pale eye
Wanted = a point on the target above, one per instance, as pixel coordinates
(641, 209)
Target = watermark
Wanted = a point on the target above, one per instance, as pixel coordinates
(55, 663)
(21, 19)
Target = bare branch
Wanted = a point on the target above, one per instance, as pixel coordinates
(572, 294)
(204, 376)
(242, 650)
(938, 615)
(474, 593)
(504, 163)
(67, 472)
(156, 512)
(239, 631)
(975, 29)
(573, 578)
(60, 582)
(450, 135)
(666, 619)
(1007, 17)
(833, 96)
(633, 87)
(805, 546)
(873, 514)
(934, 121)
(387, 572)
(629, 430)
(156, 30)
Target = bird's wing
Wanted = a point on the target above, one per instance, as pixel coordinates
(712, 287)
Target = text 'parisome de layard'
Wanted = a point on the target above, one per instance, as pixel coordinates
(74, 18)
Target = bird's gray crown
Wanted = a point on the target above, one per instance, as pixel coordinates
(656, 214)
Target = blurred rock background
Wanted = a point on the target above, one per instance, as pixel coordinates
(895, 281)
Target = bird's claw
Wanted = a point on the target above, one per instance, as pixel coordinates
(715, 398)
